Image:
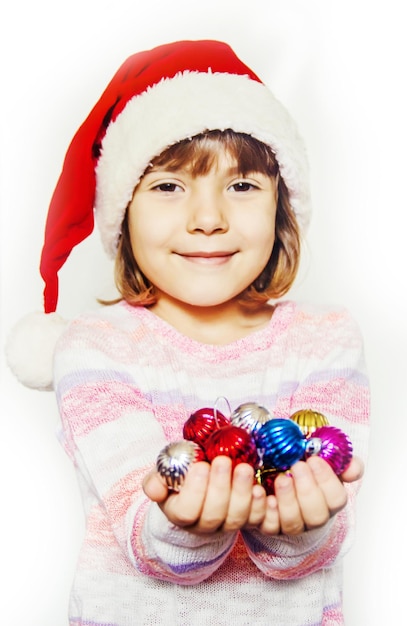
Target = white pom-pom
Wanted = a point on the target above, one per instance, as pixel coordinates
(30, 349)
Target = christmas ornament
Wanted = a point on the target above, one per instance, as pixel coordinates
(202, 423)
(250, 416)
(332, 445)
(281, 443)
(309, 420)
(270, 445)
(234, 442)
(266, 477)
(174, 460)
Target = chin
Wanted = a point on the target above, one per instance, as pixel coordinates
(212, 303)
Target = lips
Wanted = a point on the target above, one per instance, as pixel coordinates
(217, 257)
(207, 255)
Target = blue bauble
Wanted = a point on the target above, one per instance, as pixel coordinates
(281, 443)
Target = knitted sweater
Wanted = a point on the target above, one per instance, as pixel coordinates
(126, 382)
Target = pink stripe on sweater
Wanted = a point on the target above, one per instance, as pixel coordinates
(89, 406)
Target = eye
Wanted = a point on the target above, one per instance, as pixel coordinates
(242, 186)
(167, 187)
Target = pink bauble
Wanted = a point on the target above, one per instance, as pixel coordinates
(332, 445)
(201, 424)
(234, 442)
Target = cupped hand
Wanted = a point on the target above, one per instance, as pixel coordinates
(212, 497)
(311, 493)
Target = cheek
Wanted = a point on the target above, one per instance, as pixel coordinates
(260, 221)
(150, 244)
(143, 229)
(265, 245)
(261, 233)
(139, 239)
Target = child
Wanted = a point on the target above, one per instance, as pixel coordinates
(199, 182)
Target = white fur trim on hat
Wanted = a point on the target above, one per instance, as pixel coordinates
(181, 107)
(30, 348)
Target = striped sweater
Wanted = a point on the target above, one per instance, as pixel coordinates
(126, 381)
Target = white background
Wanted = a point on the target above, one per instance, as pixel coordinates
(340, 68)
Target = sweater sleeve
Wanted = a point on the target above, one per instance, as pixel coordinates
(110, 431)
(330, 378)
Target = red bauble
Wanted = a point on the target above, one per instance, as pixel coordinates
(267, 478)
(234, 442)
(200, 453)
(201, 424)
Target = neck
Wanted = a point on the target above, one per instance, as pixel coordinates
(217, 325)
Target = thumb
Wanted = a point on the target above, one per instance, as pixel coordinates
(354, 471)
(154, 487)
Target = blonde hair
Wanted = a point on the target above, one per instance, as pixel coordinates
(200, 154)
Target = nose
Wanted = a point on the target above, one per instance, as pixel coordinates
(207, 212)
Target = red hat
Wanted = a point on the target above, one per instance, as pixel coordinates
(156, 98)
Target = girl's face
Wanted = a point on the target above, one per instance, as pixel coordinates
(202, 240)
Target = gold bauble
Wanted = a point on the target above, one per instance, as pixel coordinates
(309, 421)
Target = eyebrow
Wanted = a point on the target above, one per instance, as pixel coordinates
(231, 171)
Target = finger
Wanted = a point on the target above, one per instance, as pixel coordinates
(258, 507)
(240, 497)
(330, 485)
(271, 522)
(184, 507)
(311, 499)
(354, 471)
(217, 496)
(154, 487)
(291, 521)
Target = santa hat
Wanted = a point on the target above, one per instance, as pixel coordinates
(157, 98)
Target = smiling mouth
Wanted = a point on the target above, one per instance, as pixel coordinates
(207, 258)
